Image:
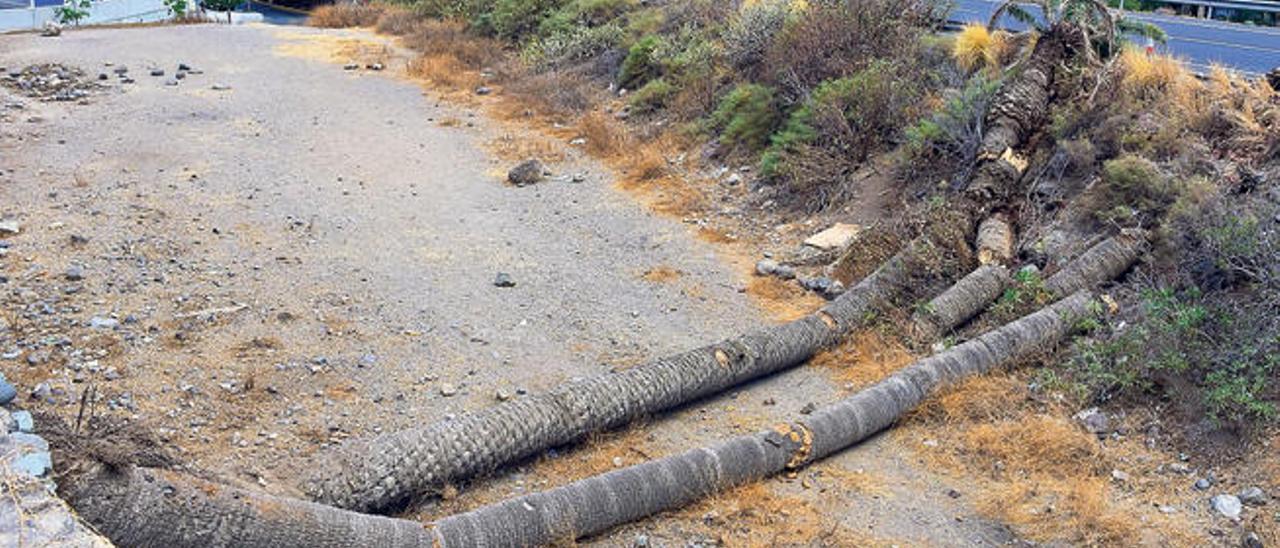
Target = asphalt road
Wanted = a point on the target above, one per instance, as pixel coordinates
(1201, 42)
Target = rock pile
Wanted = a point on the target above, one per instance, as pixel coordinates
(51, 82)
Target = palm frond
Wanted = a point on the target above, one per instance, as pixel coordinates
(1017, 12)
(1141, 28)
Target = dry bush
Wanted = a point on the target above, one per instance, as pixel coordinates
(398, 21)
(835, 40)
(1156, 77)
(450, 37)
(976, 47)
(554, 92)
(605, 137)
(1033, 445)
(344, 15)
(444, 70)
(978, 399)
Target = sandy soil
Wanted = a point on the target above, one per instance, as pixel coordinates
(309, 256)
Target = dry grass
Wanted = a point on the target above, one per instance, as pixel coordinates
(445, 71)
(661, 274)
(1075, 511)
(977, 48)
(444, 37)
(1034, 445)
(863, 359)
(754, 515)
(781, 300)
(1157, 76)
(344, 15)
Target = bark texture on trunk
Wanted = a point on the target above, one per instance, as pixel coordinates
(1017, 111)
(1102, 262)
(595, 504)
(995, 240)
(961, 301)
(384, 472)
(151, 507)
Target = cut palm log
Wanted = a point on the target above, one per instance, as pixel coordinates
(995, 240)
(384, 472)
(595, 504)
(149, 507)
(962, 301)
(1017, 111)
(1104, 261)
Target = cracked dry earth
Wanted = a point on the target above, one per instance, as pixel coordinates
(309, 256)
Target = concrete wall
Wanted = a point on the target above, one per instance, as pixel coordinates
(105, 11)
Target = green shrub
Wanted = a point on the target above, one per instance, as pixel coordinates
(641, 63)
(947, 141)
(518, 19)
(851, 117)
(746, 116)
(1132, 191)
(652, 96)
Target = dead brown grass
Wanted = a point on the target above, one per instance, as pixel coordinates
(781, 300)
(661, 274)
(863, 359)
(446, 37)
(445, 71)
(754, 515)
(344, 15)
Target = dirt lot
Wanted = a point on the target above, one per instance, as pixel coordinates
(307, 254)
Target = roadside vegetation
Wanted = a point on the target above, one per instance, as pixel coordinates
(822, 97)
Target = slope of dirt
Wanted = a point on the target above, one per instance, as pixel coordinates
(308, 253)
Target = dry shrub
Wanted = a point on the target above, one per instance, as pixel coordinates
(1157, 77)
(605, 137)
(554, 92)
(833, 40)
(976, 47)
(450, 37)
(444, 70)
(398, 21)
(343, 15)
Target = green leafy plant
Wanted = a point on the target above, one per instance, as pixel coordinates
(177, 8)
(641, 63)
(72, 12)
(746, 116)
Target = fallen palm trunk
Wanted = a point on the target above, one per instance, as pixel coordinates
(995, 240)
(1104, 261)
(384, 472)
(962, 301)
(149, 507)
(1016, 112)
(595, 504)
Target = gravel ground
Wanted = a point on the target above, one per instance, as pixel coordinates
(307, 253)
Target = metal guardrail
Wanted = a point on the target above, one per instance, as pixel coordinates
(1247, 5)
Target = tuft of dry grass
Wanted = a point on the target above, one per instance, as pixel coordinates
(753, 515)
(1038, 444)
(445, 71)
(661, 274)
(1074, 510)
(863, 359)
(781, 300)
(448, 37)
(345, 14)
(977, 48)
(1157, 76)
(513, 147)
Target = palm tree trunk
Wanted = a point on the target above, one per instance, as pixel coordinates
(150, 507)
(962, 301)
(1018, 111)
(595, 504)
(1104, 261)
(995, 240)
(384, 472)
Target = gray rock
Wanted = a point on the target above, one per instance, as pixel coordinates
(170, 82)
(1227, 505)
(184, 67)
(502, 395)
(447, 390)
(51, 29)
(157, 72)
(484, 90)
(74, 273)
(220, 87)
(179, 76)
(99, 322)
(23, 421)
(527, 172)
(1253, 496)
(766, 267)
(1095, 421)
(10, 227)
(42, 392)
(1251, 540)
(1203, 484)
(7, 391)
(121, 70)
(36, 465)
(504, 280)
(7, 424)
(375, 66)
